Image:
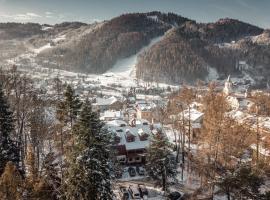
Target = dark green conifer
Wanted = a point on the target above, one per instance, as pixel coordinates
(160, 162)
(69, 108)
(8, 149)
(89, 176)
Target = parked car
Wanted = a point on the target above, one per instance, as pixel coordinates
(174, 196)
(118, 174)
(131, 171)
(124, 193)
(140, 170)
(134, 192)
(143, 190)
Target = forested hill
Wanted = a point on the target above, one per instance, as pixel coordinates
(187, 52)
(121, 37)
(192, 50)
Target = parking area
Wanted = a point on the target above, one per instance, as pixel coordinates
(133, 183)
(136, 190)
(132, 173)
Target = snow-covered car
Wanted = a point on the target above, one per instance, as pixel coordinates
(118, 174)
(140, 171)
(131, 171)
(135, 194)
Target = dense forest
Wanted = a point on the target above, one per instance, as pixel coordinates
(173, 59)
(118, 38)
(18, 30)
(186, 52)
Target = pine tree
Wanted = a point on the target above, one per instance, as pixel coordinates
(11, 184)
(241, 183)
(68, 109)
(8, 150)
(160, 162)
(67, 113)
(89, 171)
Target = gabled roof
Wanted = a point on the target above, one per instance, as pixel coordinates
(145, 106)
(113, 126)
(194, 114)
(111, 114)
(116, 123)
(105, 102)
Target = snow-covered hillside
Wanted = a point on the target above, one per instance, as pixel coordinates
(125, 69)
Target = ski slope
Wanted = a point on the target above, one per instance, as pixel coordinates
(126, 68)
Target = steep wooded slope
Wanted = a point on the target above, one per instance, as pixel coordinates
(118, 38)
(188, 51)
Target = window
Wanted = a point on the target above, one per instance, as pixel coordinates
(137, 158)
(122, 159)
(139, 151)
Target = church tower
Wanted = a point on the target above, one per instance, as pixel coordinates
(228, 86)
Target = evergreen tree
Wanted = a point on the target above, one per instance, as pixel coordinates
(160, 162)
(227, 183)
(89, 167)
(248, 183)
(67, 113)
(11, 184)
(8, 149)
(266, 196)
(241, 183)
(68, 109)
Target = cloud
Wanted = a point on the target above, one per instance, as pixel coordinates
(48, 13)
(32, 15)
(21, 17)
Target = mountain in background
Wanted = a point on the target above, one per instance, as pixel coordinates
(188, 50)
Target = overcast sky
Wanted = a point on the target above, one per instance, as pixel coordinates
(55, 11)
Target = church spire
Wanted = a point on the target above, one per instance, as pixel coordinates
(228, 86)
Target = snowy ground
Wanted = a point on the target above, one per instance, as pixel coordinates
(122, 75)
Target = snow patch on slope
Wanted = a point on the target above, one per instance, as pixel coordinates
(59, 38)
(127, 67)
(153, 17)
(40, 49)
